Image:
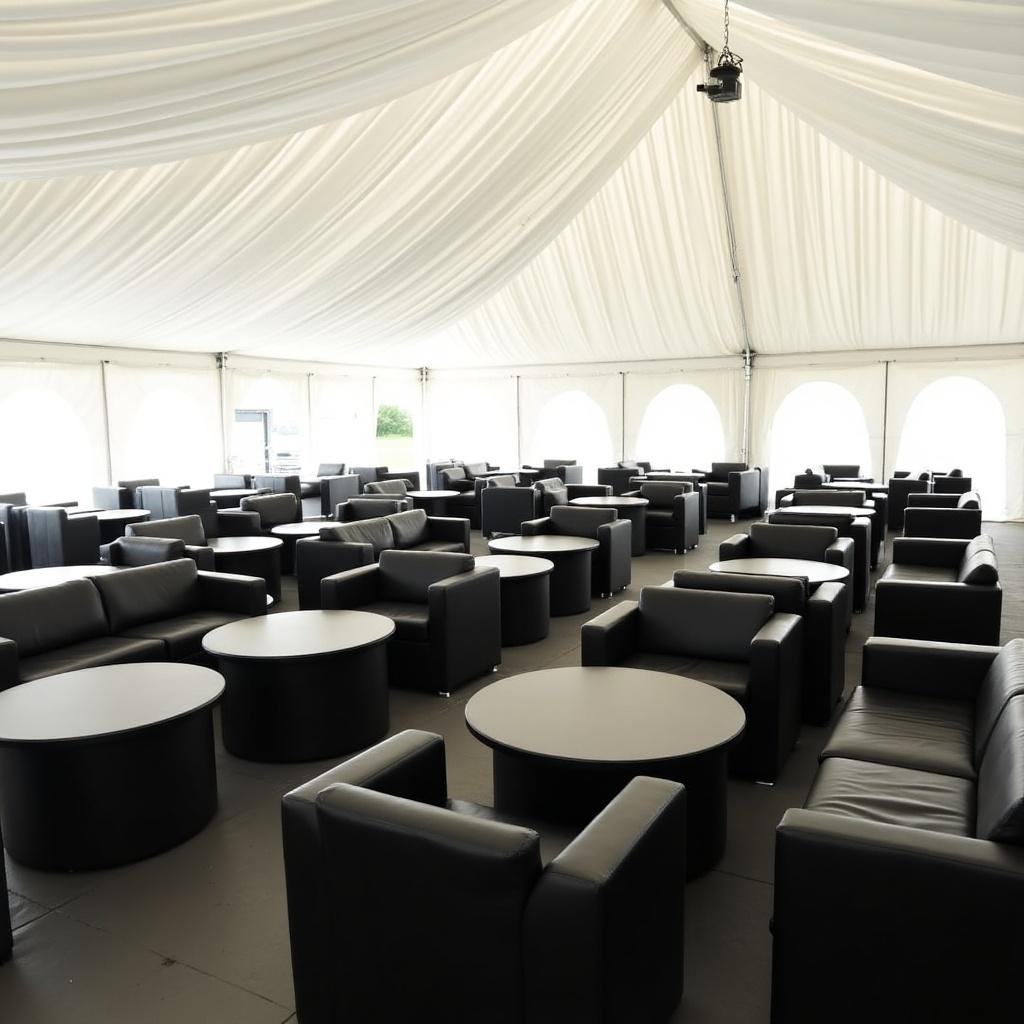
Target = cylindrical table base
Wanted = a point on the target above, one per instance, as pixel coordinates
(570, 582)
(77, 805)
(525, 609)
(263, 562)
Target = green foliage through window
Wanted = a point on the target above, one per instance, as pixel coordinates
(393, 421)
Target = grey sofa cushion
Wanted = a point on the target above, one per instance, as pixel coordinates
(101, 650)
(407, 575)
(978, 566)
(273, 509)
(452, 474)
(783, 541)
(51, 617)
(149, 594)
(662, 494)
(501, 480)
(183, 634)
(1003, 681)
(410, 528)
(371, 508)
(571, 521)
(1001, 779)
(387, 487)
(186, 528)
(375, 532)
(474, 469)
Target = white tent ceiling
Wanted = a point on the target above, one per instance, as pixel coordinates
(554, 197)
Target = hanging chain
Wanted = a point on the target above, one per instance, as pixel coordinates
(725, 41)
(727, 56)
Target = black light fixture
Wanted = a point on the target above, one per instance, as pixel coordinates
(725, 86)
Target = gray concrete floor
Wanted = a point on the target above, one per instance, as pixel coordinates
(198, 935)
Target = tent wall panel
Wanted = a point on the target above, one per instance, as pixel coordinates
(472, 418)
(342, 419)
(285, 397)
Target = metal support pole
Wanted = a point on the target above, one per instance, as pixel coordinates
(222, 364)
(106, 421)
(622, 402)
(423, 446)
(885, 418)
(748, 373)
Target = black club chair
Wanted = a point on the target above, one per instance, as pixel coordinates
(505, 507)
(56, 539)
(378, 857)
(672, 516)
(955, 516)
(125, 494)
(134, 551)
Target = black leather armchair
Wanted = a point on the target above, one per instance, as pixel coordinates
(311, 488)
(386, 488)
(378, 856)
(940, 589)
(737, 642)
(123, 495)
(6, 933)
(277, 483)
(176, 502)
(956, 516)
(900, 488)
(733, 490)
(135, 551)
(57, 539)
(187, 529)
(611, 562)
(366, 507)
(271, 509)
(824, 616)
(672, 518)
(336, 489)
(952, 483)
(504, 509)
(854, 498)
(910, 846)
(446, 611)
(565, 469)
(231, 481)
(372, 474)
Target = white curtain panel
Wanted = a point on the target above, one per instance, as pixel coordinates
(336, 242)
(51, 421)
(957, 146)
(285, 396)
(571, 417)
(962, 427)
(166, 423)
(94, 84)
(472, 418)
(343, 420)
(796, 423)
(669, 423)
(979, 42)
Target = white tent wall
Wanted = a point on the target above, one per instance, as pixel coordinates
(164, 422)
(266, 411)
(473, 417)
(342, 419)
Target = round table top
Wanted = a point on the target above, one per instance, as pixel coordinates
(304, 529)
(430, 494)
(243, 543)
(610, 501)
(50, 576)
(104, 701)
(603, 715)
(827, 510)
(542, 544)
(840, 485)
(516, 566)
(302, 634)
(115, 515)
(234, 492)
(813, 572)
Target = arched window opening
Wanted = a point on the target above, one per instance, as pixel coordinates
(958, 422)
(573, 426)
(681, 429)
(817, 422)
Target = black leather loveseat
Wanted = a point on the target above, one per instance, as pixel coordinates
(152, 613)
(904, 871)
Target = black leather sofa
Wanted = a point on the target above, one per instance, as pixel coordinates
(940, 589)
(956, 516)
(446, 611)
(152, 613)
(737, 642)
(672, 517)
(352, 544)
(904, 869)
(535, 929)
(611, 563)
(368, 507)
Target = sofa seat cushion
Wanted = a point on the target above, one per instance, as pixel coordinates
(411, 620)
(183, 634)
(554, 836)
(891, 795)
(409, 528)
(919, 573)
(677, 664)
(309, 489)
(731, 677)
(717, 489)
(929, 734)
(103, 650)
(439, 545)
(660, 517)
(50, 618)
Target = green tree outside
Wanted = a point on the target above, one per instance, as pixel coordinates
(393, 421)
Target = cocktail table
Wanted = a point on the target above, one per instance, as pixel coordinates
(570, 579)
(566, 740)
(434, 503)
(229, 497)
(824, 510)
(525, 596)
(302, 685)
(51, 575)
(289, 533)
(107, 765)
(114, 520)
(633, 509)
(250, 556)
(814, 572)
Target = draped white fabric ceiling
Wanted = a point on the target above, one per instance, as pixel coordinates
(471, 182)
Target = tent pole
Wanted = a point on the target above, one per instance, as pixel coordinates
(885, 417)
(106, 421)
(519, 426)
(222, 362)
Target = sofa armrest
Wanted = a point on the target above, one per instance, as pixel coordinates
(235, 523)
(604, 923)
(352, 588)
(228, 592)
(8, 667)
(465, 624)
(201, 555)
(926, 667)
(111, 497)
(736, 546)
(841, 552)
(924, 610)
(951, 907)
(533, 527)
(448, 528)
(587, 491)
(933, 551)
(611, 636)
(774, 695)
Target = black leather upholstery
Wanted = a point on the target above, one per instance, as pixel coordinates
(187, 529)
(505, 509)
(135, 551)
(272, 509)
(56, 539)
(672, 519)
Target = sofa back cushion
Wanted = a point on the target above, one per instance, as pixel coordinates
(720, 470)
(186, 528)
(556, 463)
(331, 469)
(135, 551)
(273, 509)
(149, 593)
(51, 617)
(449, 476)
(474, 469)
(573, 521)
(790, 593)
(387, 487)
(406, 575)
(978, 565)
(501, 480)
(841, 469)
(701, 623)
(662, 493)
(770, 540)
(409, 528)
(969, 499)
(629, 464)
(371, 508)
(1001, 779)
(375, 532)
(1003, 681)
(827, 496)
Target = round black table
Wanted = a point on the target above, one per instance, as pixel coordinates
(50, 576)
(229, 497)
(302, 685)
(633, 509)
(107, 765)
(114, 520)
(434, 503)
(564, 741)
(814, 572)
(570, 579)
(250, 556)
(525, 596)
(825, 510)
